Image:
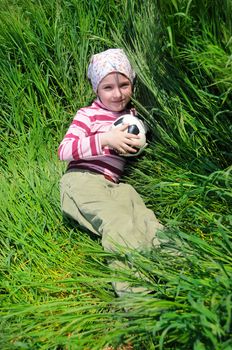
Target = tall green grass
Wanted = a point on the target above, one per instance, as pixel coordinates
(56, 288)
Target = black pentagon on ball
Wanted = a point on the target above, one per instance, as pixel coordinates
(133, 129)
(118, 121)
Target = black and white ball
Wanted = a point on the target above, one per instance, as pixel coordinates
(136, 127)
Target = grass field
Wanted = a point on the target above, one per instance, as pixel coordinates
(55, 283)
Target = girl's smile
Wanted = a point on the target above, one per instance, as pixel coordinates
(115, 91)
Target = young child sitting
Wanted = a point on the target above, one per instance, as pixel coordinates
(91, 192)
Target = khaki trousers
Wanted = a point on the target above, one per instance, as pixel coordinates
(116, 212)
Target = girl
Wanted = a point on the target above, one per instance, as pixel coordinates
(90, 189)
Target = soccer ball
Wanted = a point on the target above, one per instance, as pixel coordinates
(136, 127)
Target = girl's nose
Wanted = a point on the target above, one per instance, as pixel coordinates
(117, 92)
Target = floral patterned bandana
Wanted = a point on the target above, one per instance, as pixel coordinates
(109, 61)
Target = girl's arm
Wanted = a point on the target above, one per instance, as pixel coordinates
(79, 142)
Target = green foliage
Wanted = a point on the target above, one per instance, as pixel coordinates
(55, 282)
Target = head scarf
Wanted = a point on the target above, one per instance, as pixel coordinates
(109, 61)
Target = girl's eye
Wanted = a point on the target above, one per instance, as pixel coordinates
(107, 87)
(124, 86)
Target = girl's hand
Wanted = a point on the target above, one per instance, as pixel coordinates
(120, 140)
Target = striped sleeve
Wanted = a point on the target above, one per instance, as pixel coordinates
(79, 143)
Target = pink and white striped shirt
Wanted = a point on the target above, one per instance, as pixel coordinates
(81, 145)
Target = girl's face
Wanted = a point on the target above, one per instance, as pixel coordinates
(115, 91)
